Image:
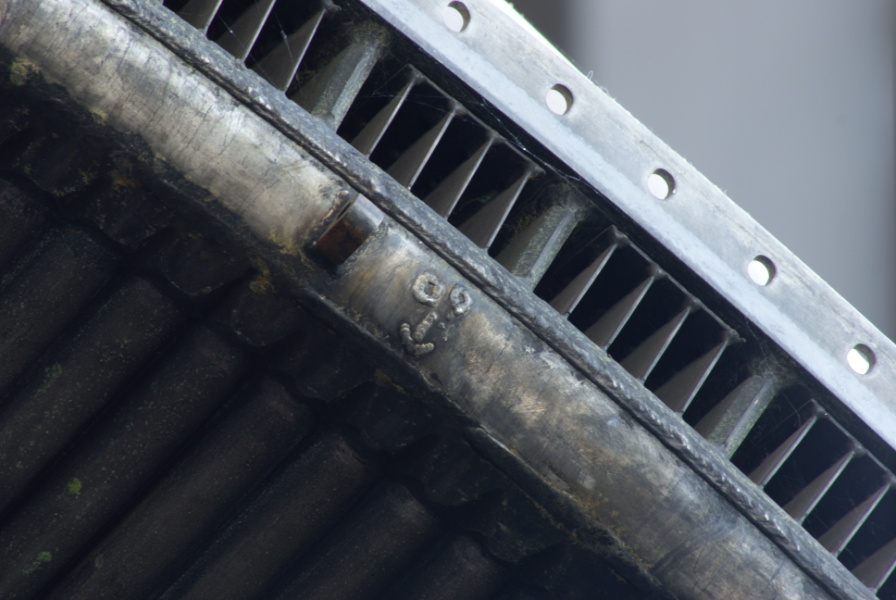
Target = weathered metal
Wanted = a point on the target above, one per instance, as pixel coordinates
(571, 426)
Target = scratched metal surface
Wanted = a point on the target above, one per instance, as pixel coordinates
(415, 315)
(765, 382)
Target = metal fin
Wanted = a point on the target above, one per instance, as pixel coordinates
(279, 66)
(605, 330)
(679, 391)
(239, 39)
(407, 168)
(765, 471)
(836, 538)
(444, 198)
(365, 142)
(874, 571)
(803, 503)
(199, 13)
(641, 360)
(729, 422)
(482, 227)
(567, 300)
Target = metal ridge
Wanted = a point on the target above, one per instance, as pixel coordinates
(606, 146)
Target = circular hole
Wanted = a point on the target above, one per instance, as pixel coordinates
(860, 359)
(559, 99)
(456, 16)
(761, 270)
(661, 184)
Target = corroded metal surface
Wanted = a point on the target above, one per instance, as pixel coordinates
(621, 475)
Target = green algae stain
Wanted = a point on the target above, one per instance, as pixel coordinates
(74, 487)
(21, 70)
(54, 371)
(51, 374)
(42, 559)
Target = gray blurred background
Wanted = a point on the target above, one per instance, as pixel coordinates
(786, 105)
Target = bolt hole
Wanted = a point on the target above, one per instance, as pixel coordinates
(456, 16)
(860, 359)
(761, 270)
(558, 99)
(661, 184)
